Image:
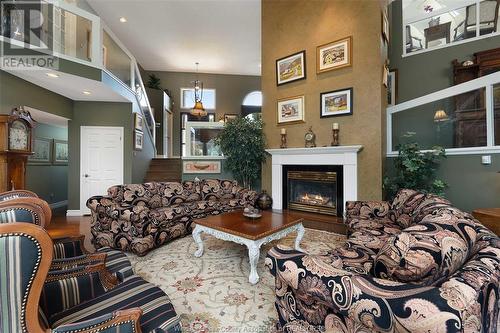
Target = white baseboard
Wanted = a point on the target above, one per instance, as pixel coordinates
(74, 212)
(59, 204)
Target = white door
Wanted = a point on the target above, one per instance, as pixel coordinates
(101, 161)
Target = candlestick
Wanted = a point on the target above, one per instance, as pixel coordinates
(335, 137)
(335, 126)
(283, 131)
(283, 139)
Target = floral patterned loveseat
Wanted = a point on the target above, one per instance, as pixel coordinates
(141, 217)
(415, 264)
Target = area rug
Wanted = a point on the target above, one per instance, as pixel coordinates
(212, 293)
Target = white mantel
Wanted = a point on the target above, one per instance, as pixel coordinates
(346, 156)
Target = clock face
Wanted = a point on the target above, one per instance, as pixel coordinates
(19, 135)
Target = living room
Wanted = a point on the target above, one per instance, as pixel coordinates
(210, 166)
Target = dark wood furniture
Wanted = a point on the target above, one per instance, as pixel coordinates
(437, 32)
(470, 108)
(489, 217)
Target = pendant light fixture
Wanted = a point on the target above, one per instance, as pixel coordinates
(198, 110)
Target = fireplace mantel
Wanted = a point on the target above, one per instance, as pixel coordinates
(346, 156)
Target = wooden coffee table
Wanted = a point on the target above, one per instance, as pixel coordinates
(235, 227)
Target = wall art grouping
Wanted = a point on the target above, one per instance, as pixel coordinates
(49, 152)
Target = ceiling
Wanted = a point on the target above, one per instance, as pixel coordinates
(70, 86)
(172, 35)
(47, 118)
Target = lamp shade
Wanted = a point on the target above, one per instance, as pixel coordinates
(440, 116)
(198, 109)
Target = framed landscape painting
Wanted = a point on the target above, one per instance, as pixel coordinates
(334, 55)
(291, 110)
(336, 103)
(60, 152)
(42, 151)
(291, 68)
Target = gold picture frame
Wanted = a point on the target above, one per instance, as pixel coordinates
(290, 110)
(327, 54)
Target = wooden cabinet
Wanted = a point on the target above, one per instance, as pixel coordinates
(470, 108)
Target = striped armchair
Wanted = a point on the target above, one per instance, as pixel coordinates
(69, 252)
(26, 251)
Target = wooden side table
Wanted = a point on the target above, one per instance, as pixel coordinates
(489, 217)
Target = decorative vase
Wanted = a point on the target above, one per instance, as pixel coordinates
(264, 201)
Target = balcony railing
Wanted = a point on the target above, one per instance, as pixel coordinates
(454, 23)
(464, 119)
(71, 33)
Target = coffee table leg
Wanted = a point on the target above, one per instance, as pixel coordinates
(253, 255)
(300, 235)
(199, 241)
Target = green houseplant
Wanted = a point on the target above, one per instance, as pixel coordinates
(154, 82)
(242, 142)
(416, 170)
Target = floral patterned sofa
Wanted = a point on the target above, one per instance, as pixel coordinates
(415, 264)
(141, 217)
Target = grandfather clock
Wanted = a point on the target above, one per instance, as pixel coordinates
(16, 139)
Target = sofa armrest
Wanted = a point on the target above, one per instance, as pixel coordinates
(366, 209)
(64, 289)
(78, 262)
(119, 321)
(69, 247)
(335, 299)
(247, 195)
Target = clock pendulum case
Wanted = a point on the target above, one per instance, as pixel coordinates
(16, 140)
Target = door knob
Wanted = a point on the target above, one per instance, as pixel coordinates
(86, 176)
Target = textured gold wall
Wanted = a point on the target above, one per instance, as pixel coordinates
(291, 26)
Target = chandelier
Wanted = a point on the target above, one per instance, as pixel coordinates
(198, 110)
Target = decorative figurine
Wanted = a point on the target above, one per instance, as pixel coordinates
(283, 138)
(335, 133)
(310, 138)
(264, 200)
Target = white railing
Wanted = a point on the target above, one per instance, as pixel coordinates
(93, 55)
(454, 13)
(486, 82)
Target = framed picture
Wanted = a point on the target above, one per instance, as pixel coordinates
(385, 75)
(291, 68)
(334, 55)
(392, 87)
(385, 26)
(201, 167)
(42, 151)
(138, 122)
(229, 117)
(60, 152)
(291, 110)
(138, 140)
(336, 103)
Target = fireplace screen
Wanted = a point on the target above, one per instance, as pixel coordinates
(312, 191)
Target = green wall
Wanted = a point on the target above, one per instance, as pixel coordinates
(471, 184)
(50, 182)
(96, 114)
(230, 91)
(424, 73)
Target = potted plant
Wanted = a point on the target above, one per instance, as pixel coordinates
(242, 142)
(416, 170)
(154, 82)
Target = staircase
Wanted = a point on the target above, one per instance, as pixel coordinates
(164, 170)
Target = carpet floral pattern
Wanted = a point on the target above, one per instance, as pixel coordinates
(212, 293)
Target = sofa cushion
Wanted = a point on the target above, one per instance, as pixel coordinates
(403, 206)
(372, 239)
(358, 223)
(430, 251)
(216, 189)
(429, 205)
(158, 314)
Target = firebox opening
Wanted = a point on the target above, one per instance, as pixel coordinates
(316, 189)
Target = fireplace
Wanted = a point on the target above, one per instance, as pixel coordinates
(314, 188)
